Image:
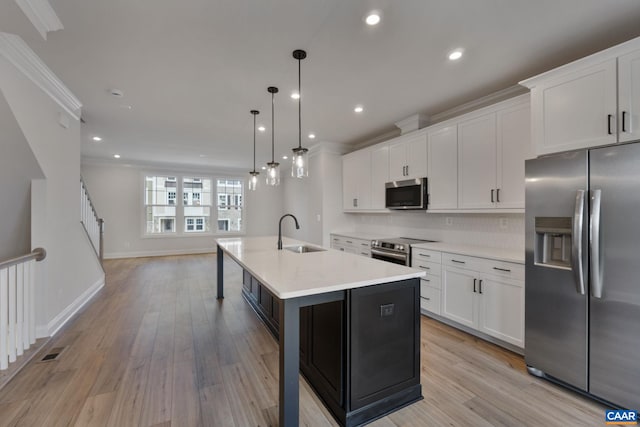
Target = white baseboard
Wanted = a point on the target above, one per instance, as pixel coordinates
(166, 252)
(59, 321)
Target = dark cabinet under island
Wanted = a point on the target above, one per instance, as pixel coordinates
(361, 355)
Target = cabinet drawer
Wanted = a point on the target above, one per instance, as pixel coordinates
(430, 299)
(365, 252)
(425, 255)
(504, 269)
(432, 280)
(429, 267)
(463, 261)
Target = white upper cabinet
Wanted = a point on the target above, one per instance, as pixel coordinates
(442, 143)
(408, 157)
(492, 147)
(513, 146)
(477, 162)
(629, 96)
(577, 110)
(356, 180)
(379, 175)
(581, 104)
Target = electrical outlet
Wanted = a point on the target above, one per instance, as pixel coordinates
(504, 223)
(448, 220)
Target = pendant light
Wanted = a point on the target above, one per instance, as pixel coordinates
(253, 181)
(300, 163)
(273, 170)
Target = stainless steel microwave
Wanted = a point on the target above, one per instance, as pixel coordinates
(407, 194)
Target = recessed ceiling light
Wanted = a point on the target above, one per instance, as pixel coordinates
(456, 54)
(203, 155)
(312, 135)
(116, 92)
(261, 128)
(284, 157)
(117, 156)
(295, 95)
(359, 109)
(373, 18)
(97, 139)
(264, 168)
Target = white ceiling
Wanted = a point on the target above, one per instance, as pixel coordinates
(192, 69)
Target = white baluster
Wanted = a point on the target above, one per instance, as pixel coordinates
(32, 303)
(4, 319)
(12, 314)
(19, 308)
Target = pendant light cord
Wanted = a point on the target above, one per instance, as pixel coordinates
(299, 107)
(254, 142)
(272, 129)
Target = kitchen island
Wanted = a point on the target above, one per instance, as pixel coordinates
(351, 324)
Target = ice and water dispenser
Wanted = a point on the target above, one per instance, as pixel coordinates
(553, 242)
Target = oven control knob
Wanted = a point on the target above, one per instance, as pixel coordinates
(374, 243)
(401, 248)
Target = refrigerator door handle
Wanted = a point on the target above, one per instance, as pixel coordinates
(576, 250)
(594, 236)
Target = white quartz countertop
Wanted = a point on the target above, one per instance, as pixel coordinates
(289, 275)
(359, 235)
(508, 255)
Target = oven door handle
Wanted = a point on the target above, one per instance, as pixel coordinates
(388, 254)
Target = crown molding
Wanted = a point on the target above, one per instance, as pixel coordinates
(41, 15)
(476, 104)
(18, 53)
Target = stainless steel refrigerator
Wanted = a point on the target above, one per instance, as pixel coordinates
(582, 297)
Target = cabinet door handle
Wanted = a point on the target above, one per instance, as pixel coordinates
(498, 195)
(349, 241)
(480, 286)
(407, 170)
(364, 253)
(355, 203)
(459, 262)
(492, 195)
(502, 269)
(624, 114)
(474, 285)
(364, 244)
(609, 117)
(426, 268)
(425, 255)
(428, 299)
(427, 280)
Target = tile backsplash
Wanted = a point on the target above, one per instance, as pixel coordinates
(493, 230)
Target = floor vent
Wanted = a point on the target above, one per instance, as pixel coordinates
(52, 355)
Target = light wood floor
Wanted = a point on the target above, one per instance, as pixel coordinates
(155, 348)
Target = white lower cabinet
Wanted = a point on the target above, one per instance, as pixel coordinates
(479, 293)
(351, 245)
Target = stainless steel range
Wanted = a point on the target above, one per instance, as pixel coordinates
(397, 250)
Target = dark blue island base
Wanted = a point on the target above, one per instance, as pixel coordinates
(359, 349)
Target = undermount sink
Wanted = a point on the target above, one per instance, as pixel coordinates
(303, 249)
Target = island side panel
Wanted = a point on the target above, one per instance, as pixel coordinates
(289, 394)
(384, 372)
(220, 262)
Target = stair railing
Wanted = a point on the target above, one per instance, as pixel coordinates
(17, 306)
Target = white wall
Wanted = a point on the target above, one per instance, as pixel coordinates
(117, 196)
(71, 272)
(18, 166)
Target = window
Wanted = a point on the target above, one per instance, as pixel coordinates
(164, 215)
(197, 202)
(229, 204)
(160, 213)
(194, 224)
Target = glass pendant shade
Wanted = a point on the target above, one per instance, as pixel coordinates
(300, 163)
(273, 169)
(253, 181)
(273, 173)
